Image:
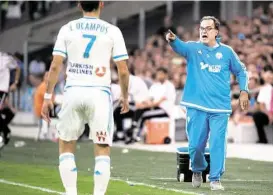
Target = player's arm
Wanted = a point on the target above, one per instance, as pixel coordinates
(59, 54)
(123, 74)
(120, 58)
(239, 70)
(12, 64)
(177, 45)
(54, 71)
(17, 71)
(17, 75)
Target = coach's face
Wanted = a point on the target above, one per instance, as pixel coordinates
(207, 31)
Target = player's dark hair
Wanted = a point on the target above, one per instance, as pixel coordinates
(215, 20)
(162, 69)
(89, 6)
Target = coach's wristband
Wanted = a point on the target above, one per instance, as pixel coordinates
(47, 96)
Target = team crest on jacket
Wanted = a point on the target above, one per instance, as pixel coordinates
(219, 55)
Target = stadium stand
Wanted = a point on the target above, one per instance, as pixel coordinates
(251, 38)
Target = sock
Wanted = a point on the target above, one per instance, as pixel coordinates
(68, 172)
(101, 174)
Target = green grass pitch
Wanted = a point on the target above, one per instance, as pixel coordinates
(33, 170)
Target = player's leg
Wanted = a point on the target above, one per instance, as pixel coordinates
(197, 131)
(67, 166)
(102, 128)
(217, 145)
(69, 127)
(102, 168)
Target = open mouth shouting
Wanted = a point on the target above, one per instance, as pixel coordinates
(204, 37)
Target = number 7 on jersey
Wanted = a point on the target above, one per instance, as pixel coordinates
(89, 45)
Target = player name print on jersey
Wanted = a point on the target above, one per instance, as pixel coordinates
(77, 68)
(88, 26)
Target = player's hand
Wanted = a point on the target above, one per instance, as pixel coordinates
(124, 105)
(13, 87)
(47, 107)
(170, 36)
(244, 100)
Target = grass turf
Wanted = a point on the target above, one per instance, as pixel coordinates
(36, 164)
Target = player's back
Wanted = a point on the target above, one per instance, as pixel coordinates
(88, 44)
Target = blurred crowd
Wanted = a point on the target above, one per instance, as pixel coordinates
(23, 11)
(252, 40)
(27, 10)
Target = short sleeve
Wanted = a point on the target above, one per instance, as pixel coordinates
(119, 48)
(60, 44)
(12, 63)
(7, 61)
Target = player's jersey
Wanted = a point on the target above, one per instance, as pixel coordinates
(208, 75)
(88, 44)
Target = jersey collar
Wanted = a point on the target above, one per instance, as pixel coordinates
(89, 17)
(211, 48)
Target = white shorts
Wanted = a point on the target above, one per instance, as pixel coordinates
(86, 105)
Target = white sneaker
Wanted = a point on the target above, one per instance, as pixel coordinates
(197, 180)
(216, 185)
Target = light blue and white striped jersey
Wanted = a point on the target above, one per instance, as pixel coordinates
(208, 75)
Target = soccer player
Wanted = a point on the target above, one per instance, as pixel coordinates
(87, 44)
(207, 97)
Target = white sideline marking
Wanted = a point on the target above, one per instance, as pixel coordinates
(242, 180)
(156, 187)
(31, 187)
(163, 178)
(114, 179)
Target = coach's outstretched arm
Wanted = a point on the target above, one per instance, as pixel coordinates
(239, 70)
(178, 46)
